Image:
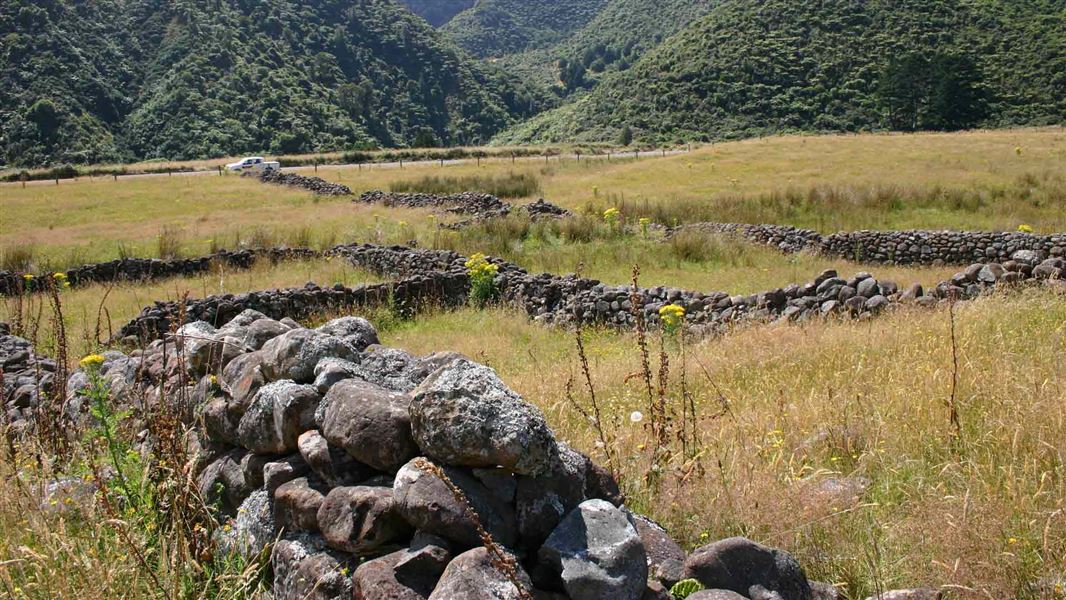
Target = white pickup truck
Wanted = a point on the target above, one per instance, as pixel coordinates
(254, 163)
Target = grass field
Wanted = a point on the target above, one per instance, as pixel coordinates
(979, 180)
(782, 411)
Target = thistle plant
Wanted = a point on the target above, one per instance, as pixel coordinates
(672, 317)
(482, 279)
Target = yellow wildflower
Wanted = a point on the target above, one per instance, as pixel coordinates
(92, 361)
(28, 277)
(672, 317)
(1025, 228)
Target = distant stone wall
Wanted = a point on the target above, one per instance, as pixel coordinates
(312, 184)
(439, 277)
(910, 247)
(147, 269)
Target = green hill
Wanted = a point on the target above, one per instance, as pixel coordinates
(122, 79)
(495, 28)
(753, 67)
(438, 12)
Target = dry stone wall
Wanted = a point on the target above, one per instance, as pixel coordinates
(147, 269)
(439, 277)
(910, 247)
(373, 470)
(312, 184)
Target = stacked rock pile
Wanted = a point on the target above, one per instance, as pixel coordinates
(146, 269)
(384, 475)
(440, 277)
(312, 184)
(25, 377)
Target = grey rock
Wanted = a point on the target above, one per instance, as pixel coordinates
(665, 557)
(253, 529)
(294, 354)
(597, 553)
(428, 504)
(330, 463)
(222, 483)
(824, 591)
(542, 502)
(739, 564)
(717, 595)
(242, 378)
(473, 576)
(277, 415)
(361, 520)
(329, 371)
(284, 470)
(369, 422)
(464, 415)
(392, 369)
(868, 288)
(357, 331)
(422, 563)
(305, 569)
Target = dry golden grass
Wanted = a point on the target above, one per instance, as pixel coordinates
(99, 309)
(985, 514)
(975, 180)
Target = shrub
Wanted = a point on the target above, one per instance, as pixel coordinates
(169, 243)
(482, 279)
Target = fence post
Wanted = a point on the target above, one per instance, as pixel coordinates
(220, 170)
(115, 175)
(608, 156)
(479, 161)
(57, 181)
(512, 158)
(442, 163)
(401, 163)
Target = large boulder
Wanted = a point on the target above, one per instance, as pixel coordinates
(200, 345)
(473, 575)
(294, 354)
(741, 565)
(392, 369)
(276, 417)
(357, 331)
(464, 415)
(430, 505)
(370, 423)
(361, 520)
(597, 553)
(305, 569)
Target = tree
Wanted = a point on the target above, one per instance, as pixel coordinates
(941, 92)
(626, 137)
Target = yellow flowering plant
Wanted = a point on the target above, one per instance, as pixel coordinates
(482, 278)
(611, 216)
(672, 317)
(644, 222)
(91, 362)
(1024, 228)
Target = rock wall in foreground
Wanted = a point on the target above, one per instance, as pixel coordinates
(360, 461)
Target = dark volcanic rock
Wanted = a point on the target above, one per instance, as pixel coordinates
(740, 565)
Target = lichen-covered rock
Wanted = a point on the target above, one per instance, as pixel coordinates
(294, 354)
(330, 463)
(739, 564)
(473, 576)
(276, 417)
(361, 520)
(717, 595)
(253, 529)
(422, 563)
(370, 423)
(330, 371)
(222, 483)
(464, 415)
(542, 502)
(392, 369)
(428, 504)
(305, 569)
(276, 473)
(200, 345)
(357, 331)
(597, 553)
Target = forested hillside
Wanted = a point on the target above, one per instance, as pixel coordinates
(495, 28)
(438, 12)
(754, 67)
(121, 79)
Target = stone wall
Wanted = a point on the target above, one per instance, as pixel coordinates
(312, 184)
(910, 247)
(373, 470)
(25, 378)
(439, 277)
(147, 269)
